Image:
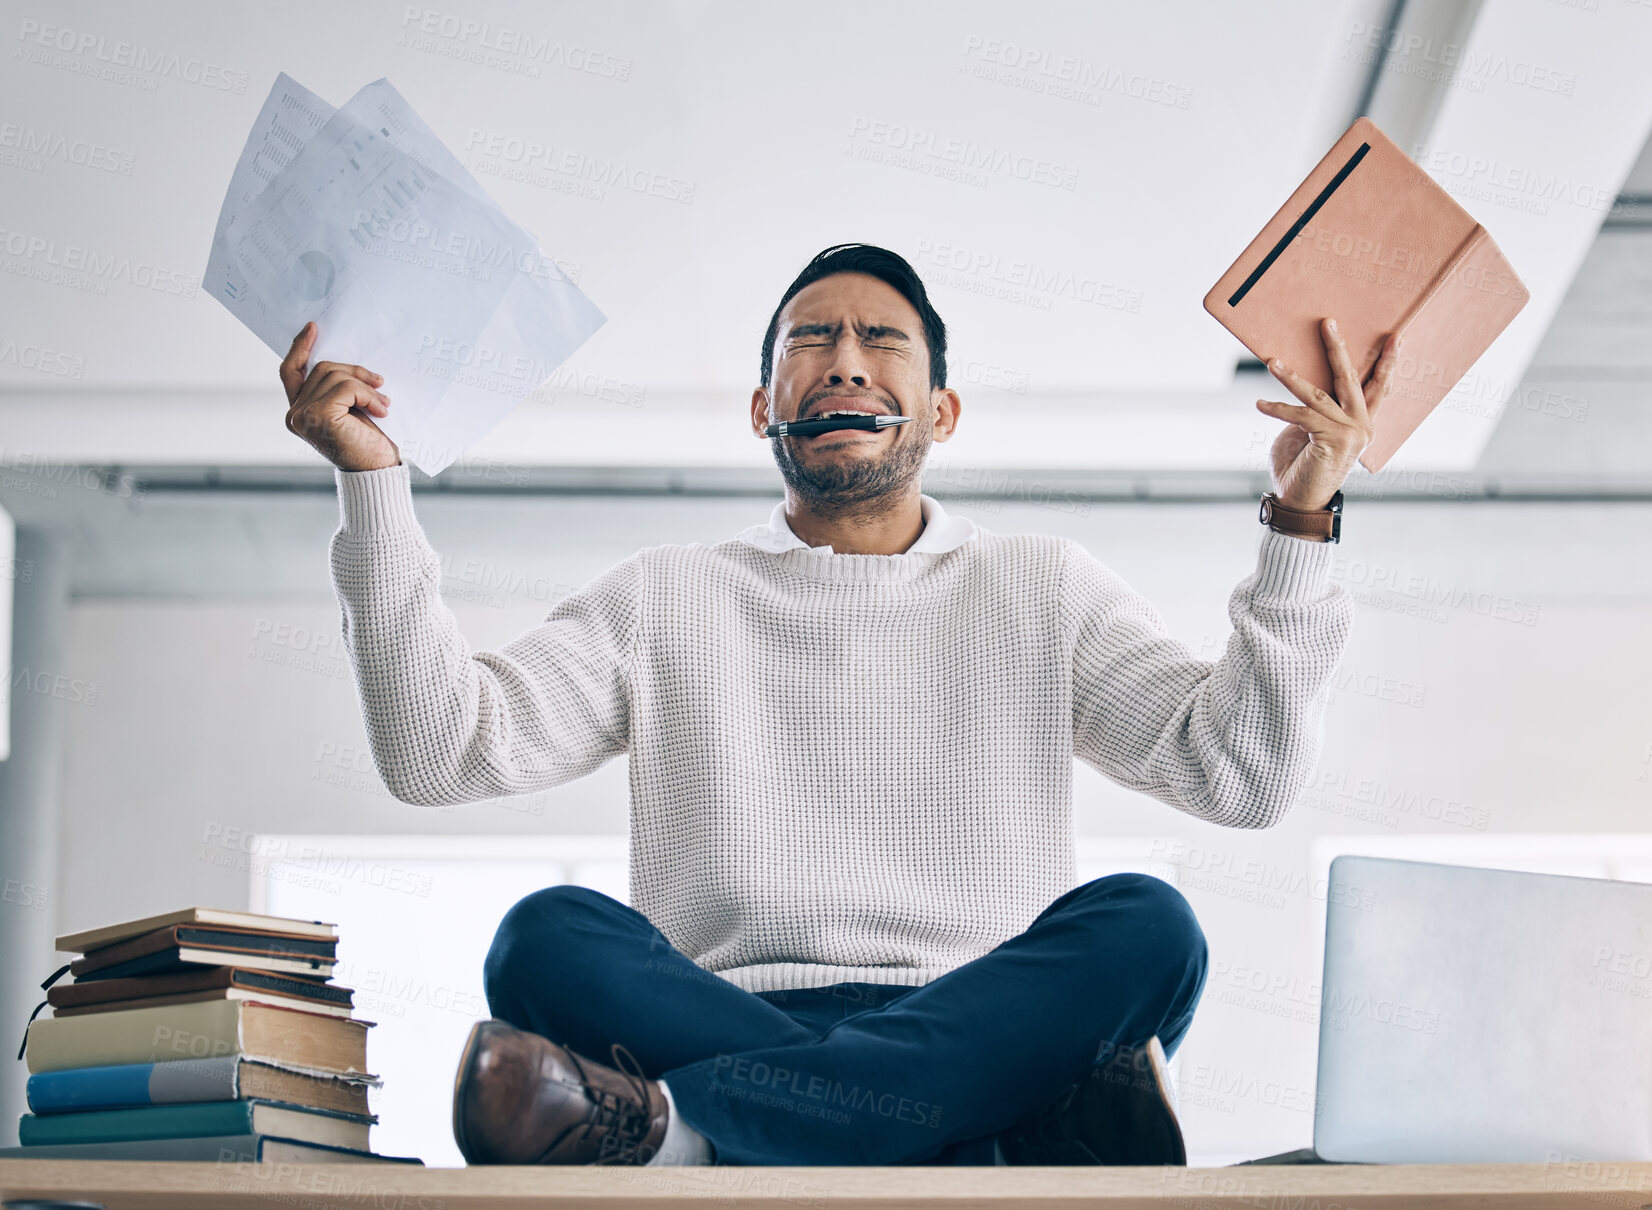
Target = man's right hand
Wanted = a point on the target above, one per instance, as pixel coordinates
(331, 408)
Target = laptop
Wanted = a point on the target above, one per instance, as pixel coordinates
(1483, 1016)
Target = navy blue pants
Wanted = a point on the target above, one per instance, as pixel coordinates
(858, 1073)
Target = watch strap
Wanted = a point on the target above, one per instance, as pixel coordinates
(1324, 524)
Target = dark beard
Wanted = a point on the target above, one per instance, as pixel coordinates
(858, 486)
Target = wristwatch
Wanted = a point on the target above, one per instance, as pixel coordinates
(1324, 524)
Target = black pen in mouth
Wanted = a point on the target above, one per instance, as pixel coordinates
(815, 426)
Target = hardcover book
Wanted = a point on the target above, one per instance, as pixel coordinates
(198, 982)
(210, 1149)
(179, 947)
(91, 939)
(290, 1037)
(187, 1081)
(192, 1121)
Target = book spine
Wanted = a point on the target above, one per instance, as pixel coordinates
(1470, 242)
(126, 1125)
(206, 1029)
(131, 1085)
(222, 1149)
(90, 1088)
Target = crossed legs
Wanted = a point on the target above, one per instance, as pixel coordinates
(858, 1074)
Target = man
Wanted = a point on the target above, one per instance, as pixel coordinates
(856, 938)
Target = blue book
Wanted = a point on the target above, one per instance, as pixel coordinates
(195, 1121)
(101, 1088)
(190, 1081)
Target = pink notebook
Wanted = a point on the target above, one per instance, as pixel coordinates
(1369, 239)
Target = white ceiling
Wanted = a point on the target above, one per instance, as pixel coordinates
(759, 107)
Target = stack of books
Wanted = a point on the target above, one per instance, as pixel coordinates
(200, 1035)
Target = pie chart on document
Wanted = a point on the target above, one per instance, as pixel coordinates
(312, 276)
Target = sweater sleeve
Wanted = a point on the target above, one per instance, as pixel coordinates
(450, 725)
(1234, 740)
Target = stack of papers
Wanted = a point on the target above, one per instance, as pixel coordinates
(360, 219)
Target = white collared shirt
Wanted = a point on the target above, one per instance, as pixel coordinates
(942, 532)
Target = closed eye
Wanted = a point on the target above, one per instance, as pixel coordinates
(828, 344)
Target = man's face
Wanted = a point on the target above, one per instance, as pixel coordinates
(850, 342)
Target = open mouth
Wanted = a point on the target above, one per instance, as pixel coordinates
(847, 408)
(825, 413)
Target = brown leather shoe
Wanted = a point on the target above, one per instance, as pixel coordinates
(519, 1098)
(1122, 1113)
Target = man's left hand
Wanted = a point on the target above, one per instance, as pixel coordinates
(1322, 440)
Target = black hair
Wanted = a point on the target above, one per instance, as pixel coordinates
(876, 262)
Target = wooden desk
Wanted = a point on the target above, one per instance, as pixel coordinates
(133, 1186)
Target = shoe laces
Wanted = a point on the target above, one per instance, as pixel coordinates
(623, 1119)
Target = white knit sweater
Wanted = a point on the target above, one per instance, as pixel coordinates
(843, 767)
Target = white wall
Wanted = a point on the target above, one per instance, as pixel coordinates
(204, 725)
(10, 572)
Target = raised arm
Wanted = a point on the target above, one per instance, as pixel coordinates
(452, 725)
(446, 724)
(1232, 740)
